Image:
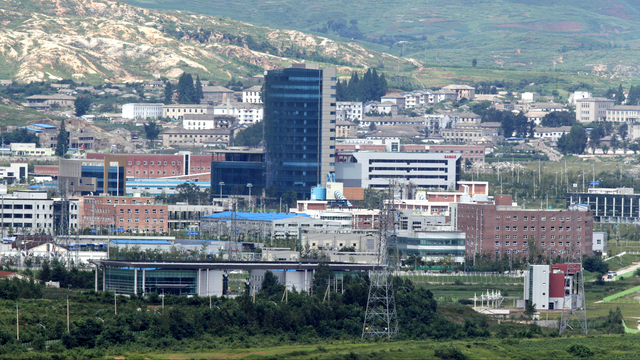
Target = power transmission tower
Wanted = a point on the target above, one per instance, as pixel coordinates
(63, 230)
(574, 307)
(381, 318)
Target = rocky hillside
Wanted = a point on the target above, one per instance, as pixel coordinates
(97, 40)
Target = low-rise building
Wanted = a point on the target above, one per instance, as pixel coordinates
(349, 110)
(554, 287)
(128, 213)
(395, 99)
(141, 111)
(57, 99)
(178, 111)
(592, 109)
(252, 95)
(93, 176)
(183, 138)
(208, 121)
(530, 97)
(346, 129)
(245, 113)
(29, 149)
(462, 91)
(214, 95)
(623, 113)
(15, 172)
(550, 133)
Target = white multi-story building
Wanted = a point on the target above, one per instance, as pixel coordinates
(252, 95)
(29, 149)
(550, 133)
(178, 111)
(377, 169)
(208, 122)
(592, 109)
(530, 97)
(623, 113)
(31, 212)
(15, 171)
(349, 110)
(141, 111)
(245, 113)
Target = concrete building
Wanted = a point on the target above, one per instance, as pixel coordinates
(141, 111)
(86, 176)
(553, 287)
(623, 113)
(617, 206)
(300, 130)
(548, 133)
(500, 228)
(577, 95)
(462, 91)
(27, 212)
(245, 113)
(473, 153)
(473, 133)
(600, 242)
(214, 95)
(29, 149)
(346, 129)
(183, 138)
(592, 109)
(180, 166)
(57, 99)
(349, 110)
(378, 169)
(129, 214)
(15, 172)
(252, 95)
(395, 99)
(178, 111)
(208, 121)
(530, 97)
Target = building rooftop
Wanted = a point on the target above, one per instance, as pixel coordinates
(141, 242)
(228, 215)
(216, 89)
(45, 126)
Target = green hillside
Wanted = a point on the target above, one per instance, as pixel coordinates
(540, 34)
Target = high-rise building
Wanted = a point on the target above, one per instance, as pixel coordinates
(299, 115)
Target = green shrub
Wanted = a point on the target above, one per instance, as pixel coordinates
(579, 350)
(449, 352)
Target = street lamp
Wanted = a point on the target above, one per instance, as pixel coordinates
(250, 185)
(221, 183)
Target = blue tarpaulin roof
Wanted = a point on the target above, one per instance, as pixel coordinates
(33, 187)
(34, 130)
(254, 216)
(45, 126)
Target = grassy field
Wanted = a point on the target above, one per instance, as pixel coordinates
(18, 116)
(602, 347)
(544, 35)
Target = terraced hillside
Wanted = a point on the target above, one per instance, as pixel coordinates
(100, 39)
(599, 36)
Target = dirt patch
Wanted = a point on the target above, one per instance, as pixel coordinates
(432, 20)
(563, 26)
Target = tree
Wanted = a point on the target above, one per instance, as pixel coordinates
(82, 105)
(290, 197)
(619, 97)
(198, 94)
(271, 285)
(251, 136)
(530, 309)
(474, 62)
(152, 130)
(186, 89)
(63, 140)
(20, 136)
(573, 143)
(372, 126)
(559, 118)
(168, 93)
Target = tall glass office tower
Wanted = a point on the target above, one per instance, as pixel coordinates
(300, 125)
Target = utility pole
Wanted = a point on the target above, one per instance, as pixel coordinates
(17, 321)
(67, 313)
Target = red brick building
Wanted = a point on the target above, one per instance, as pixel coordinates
(153, 166)
(470, 152)
(504, 229)
(133, 214)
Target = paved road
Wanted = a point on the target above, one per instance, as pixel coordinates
(553, 154)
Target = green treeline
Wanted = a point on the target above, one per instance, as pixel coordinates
(371, 87)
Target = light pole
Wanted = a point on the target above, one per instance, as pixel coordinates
(250, 185)
(221, 183)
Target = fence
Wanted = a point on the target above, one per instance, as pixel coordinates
(425, 278)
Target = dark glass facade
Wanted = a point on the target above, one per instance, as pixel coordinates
(115, 179)
(299, 127)
(236, 172)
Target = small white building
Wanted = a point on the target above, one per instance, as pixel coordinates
(252, 95)
(530, 96)
(349, 110)
(141, 111)
(550, 133)
(245, 113)
(30, 149)
(16, 172)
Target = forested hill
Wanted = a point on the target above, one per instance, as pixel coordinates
(594, 35)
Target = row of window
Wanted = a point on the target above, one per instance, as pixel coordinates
(138, 220)
(152, 163)
(137, 211)
(560, 237)
(533, 228)
(542, 218)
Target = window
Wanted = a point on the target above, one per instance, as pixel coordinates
(561, 218)
(553, 228)
(146, 211)
(552, 237)
(543, 218)
(533, 228)
(507, 228)
(497, 236)
(497, 243)
(515, 237)
(524, 228)
(121, 211)
(137, 211)
(579, 228)
(542, 243)
(553, 243)
(525, 218)
(568, 218)
(515, 228)
(524, 243)
(553, 218)
(579, 237)
(543, 228)
(560, 243)
(525, 236)
(144, 163)
(515, 218)
(543, 236)
(507, 236)
(515, 243)
(506, 243)
(579, 218)
(533, 218)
